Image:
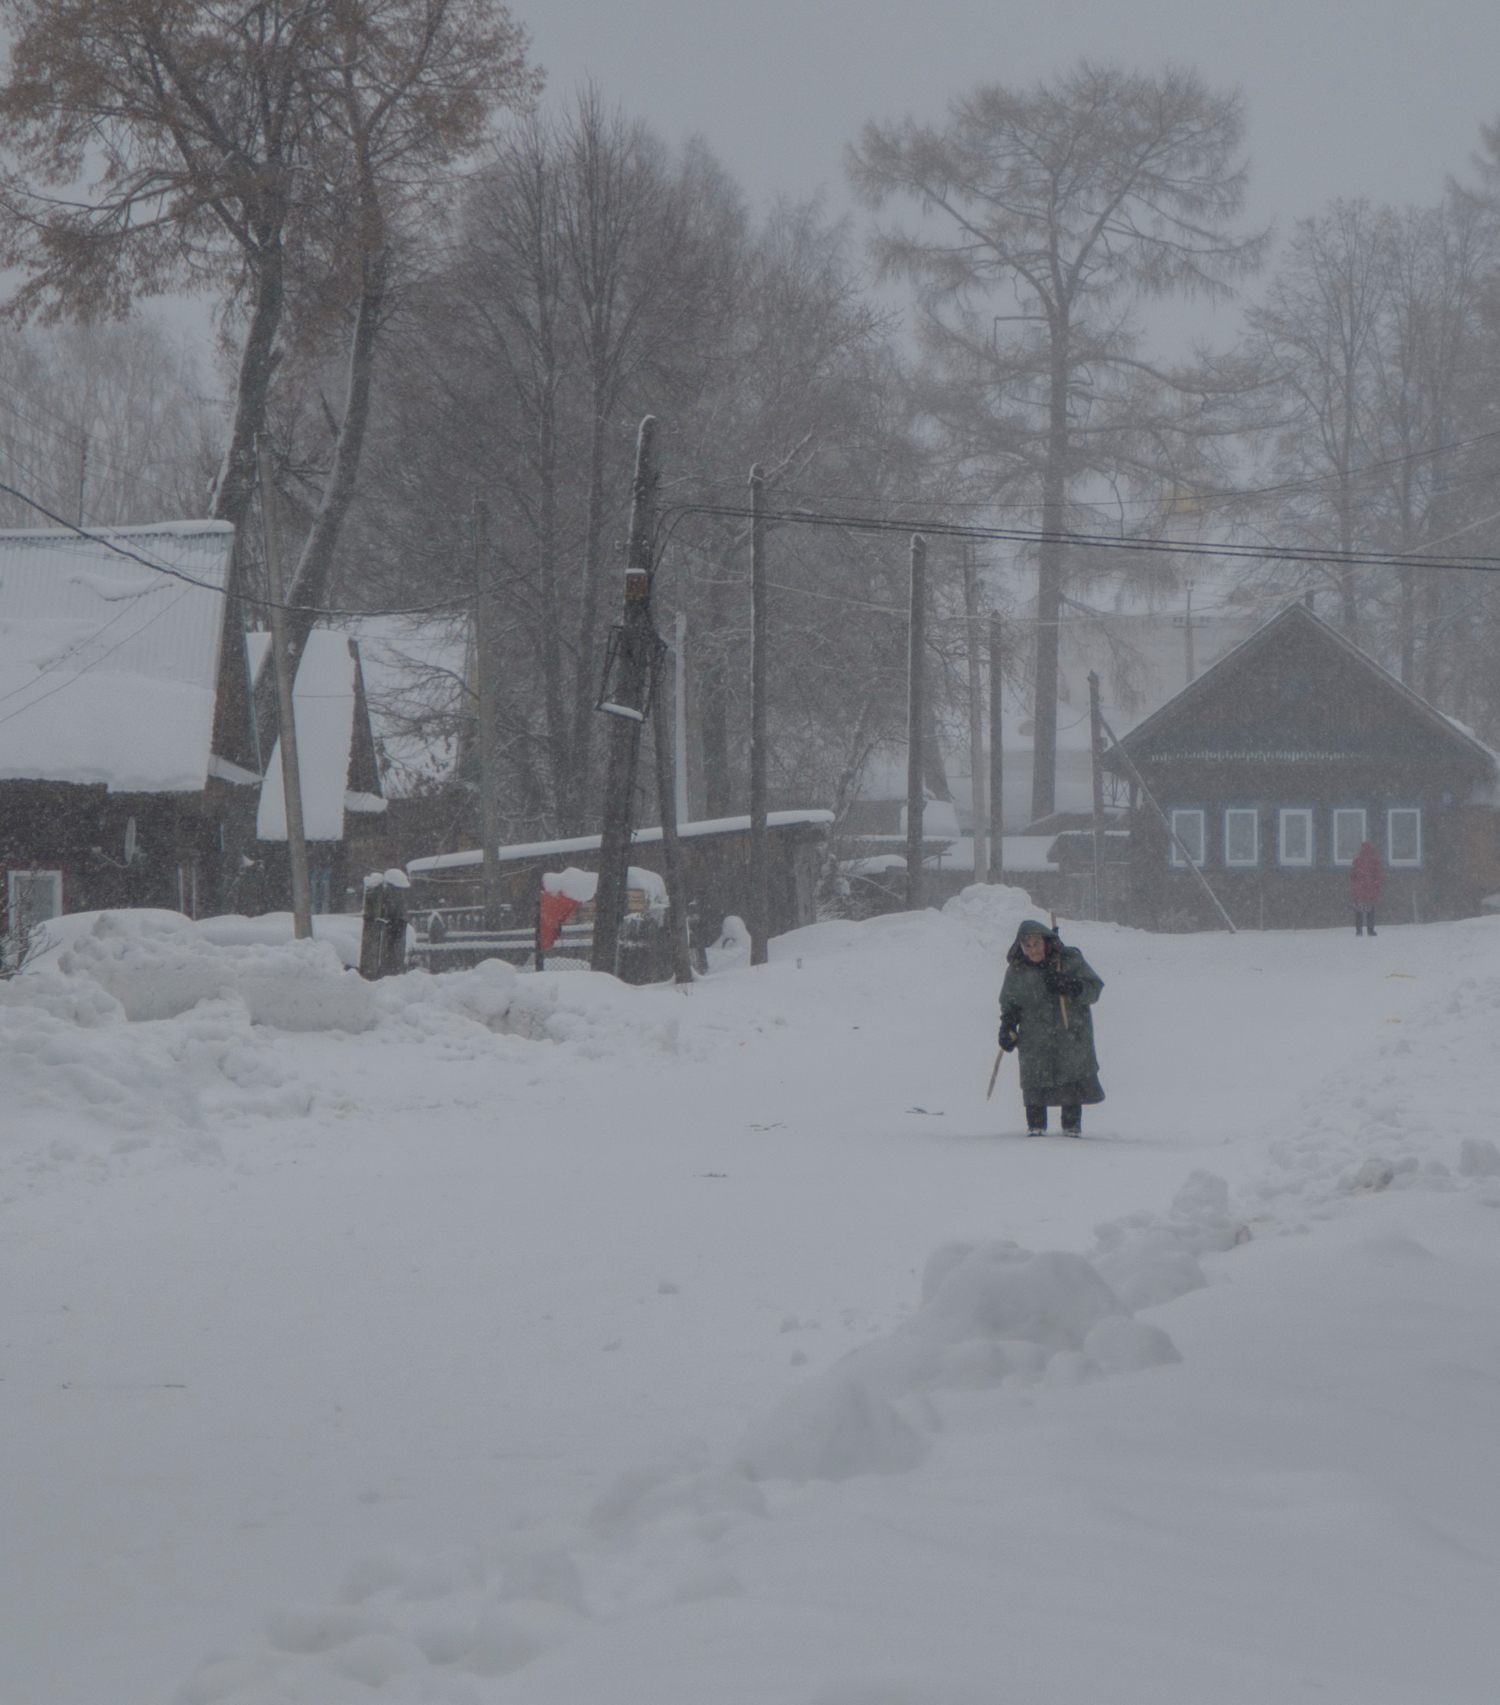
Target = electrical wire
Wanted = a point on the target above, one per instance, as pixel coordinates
(1228, 497)
(101, 537)
(1095, 541)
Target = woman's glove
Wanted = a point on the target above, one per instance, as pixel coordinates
(1009, 1033)
(1064, 983)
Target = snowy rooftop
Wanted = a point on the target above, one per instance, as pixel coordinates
(323, 701)
(109, 661)
(590, 843)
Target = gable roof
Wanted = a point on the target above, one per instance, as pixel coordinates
(1193, 699)
(335, 753)
(109, 665)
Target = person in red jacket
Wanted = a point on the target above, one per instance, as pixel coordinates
(1364, 887)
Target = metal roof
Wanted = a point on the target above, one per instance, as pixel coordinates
(109, 654)
(1152, 738)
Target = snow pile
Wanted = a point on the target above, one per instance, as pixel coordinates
(580, 886)
(1154, 1258)
(412, 1628)
(158, 970)
(991, 914)
(595, 1013)
(732, 949)
(991, 1314)
(70, 1050)
(272, 929)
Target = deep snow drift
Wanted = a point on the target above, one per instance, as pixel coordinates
(495, 1337)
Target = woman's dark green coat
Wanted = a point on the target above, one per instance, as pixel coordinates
(1055, 1036)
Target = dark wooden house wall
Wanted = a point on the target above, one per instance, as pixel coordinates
(1300, 721)
(79, 829)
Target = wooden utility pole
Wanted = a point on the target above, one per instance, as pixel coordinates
(662, 739)
(977, 813)
(291, 773)
(679, 716)
(1096, 743)
(485, 651)
(624, 700)
(997, 755)
(758, 920)
(916, 657)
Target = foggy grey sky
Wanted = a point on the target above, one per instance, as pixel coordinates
(1381, 100)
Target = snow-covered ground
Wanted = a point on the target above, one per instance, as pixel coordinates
(536, 1341)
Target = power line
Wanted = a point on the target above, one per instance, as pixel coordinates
(1225, 497)
(99, 537)
(1095, 541)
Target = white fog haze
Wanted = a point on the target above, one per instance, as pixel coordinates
(1380, 100)
(749, 853)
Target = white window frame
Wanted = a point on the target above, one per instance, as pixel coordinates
(1284, 816)
(14, 880)
(1180, 819)
(1253, 814)
(1364, 831)
(1391, 860)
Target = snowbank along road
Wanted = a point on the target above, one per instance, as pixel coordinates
(532, 1340)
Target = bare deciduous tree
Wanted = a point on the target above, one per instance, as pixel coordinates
(105, 424)
(1050, 214)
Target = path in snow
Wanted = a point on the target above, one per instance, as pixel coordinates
(439, 1312)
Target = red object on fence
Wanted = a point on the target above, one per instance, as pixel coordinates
(553, 912)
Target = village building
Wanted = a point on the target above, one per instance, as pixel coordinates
(130, 771)
(715, 867)
(1142, 655)
(343, 803)
(128, 766)
(1273, 767)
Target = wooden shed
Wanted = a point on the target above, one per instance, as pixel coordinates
(716, 865)
(1273, 767)
(128, 763)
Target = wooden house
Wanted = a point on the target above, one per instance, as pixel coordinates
(1275, 764)
(343, 804)
(128, 764)
(130, 770)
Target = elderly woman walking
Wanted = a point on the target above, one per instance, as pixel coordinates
(1044, 1011)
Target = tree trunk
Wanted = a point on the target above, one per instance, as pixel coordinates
(1407, 625)
(559, 743)
(576, 797)
(713, 703)
(1049, 586)
(1349, 605)
(309, 589)
(235, 484)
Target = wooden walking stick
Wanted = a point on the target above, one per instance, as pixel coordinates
(1061, 1001)
(994, 1072)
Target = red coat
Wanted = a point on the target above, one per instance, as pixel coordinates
(1364, 876)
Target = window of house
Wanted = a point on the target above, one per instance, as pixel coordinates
(1241, 836)
(1403, 836)
(1348, 832)
(1296, 838)
(1188, 835)
(32, 896)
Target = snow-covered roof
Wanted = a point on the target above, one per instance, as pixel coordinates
(323, 701)
(108, 664)
(590, 843)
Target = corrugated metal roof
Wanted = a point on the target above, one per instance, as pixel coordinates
(108, 664)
